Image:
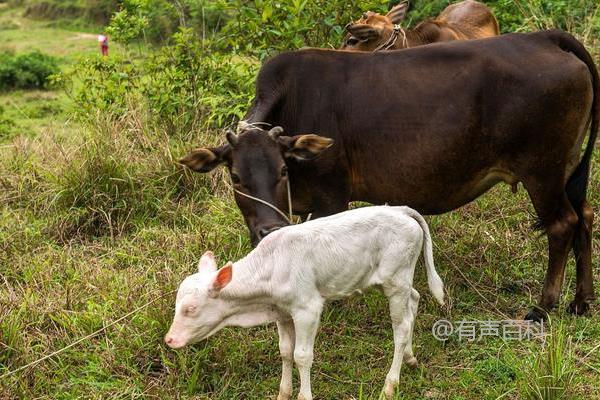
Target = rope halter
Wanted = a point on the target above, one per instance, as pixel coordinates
(391, 40)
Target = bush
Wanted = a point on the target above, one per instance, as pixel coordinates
(183, 86)
(26, 71)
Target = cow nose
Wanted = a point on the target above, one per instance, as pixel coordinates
(265, 231)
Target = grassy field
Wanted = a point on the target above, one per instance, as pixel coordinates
(96, 221)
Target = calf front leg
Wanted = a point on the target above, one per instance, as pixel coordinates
(286, 348)
(306, 324)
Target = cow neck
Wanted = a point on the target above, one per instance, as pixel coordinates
(393, 38)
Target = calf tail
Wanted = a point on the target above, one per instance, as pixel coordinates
(436, 286)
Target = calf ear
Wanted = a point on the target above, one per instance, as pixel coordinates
(222, 279)
(305, 147)
(363, 31)
(207, 262)
(398, 12)
(205, 159)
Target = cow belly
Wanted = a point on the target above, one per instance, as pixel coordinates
(446, 195)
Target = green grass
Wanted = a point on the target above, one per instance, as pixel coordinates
(97, 220)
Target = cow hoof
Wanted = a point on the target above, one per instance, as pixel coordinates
(536, 314)
(412, 362)
(578, 307)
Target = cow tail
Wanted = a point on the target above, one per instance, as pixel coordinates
(436, 286)
(578, 181)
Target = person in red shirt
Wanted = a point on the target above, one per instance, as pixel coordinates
(103, 40)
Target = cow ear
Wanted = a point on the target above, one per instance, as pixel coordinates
(205, 159)
(222, 279)
(363, 32)
(398, 12)
(207, 262)
(305, 147)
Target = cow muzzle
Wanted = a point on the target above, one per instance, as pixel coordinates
(263, 232)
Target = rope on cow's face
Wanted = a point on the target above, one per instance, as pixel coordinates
(391, 41)
(289, 219)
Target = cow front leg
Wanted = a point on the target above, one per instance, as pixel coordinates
(306, 323)
(286, 348)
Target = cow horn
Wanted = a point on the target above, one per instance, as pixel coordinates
(275, 132)
(231, 137)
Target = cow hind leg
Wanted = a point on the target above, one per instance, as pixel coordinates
(582, 247)
(559, 221)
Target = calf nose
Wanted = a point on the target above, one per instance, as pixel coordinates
(169, 340)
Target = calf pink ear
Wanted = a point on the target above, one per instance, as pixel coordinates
(207, 262)
(223, 277)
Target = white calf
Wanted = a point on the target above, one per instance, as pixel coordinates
(291, 273)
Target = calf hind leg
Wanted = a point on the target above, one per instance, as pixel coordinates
(286, 348)
(582, 247)
(409, 357)
(402, 324)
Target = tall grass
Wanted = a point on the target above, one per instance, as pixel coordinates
(549, 374)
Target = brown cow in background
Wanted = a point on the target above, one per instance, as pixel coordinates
(466, 20)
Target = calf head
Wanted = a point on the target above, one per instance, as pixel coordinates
(373, 29)
(199, 312)
(257, 162)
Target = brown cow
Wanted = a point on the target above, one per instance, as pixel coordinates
(466, 20)
(461, 117)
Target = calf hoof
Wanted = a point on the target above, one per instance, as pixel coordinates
(284, 396)
(389, 388)
(578, 307)
(412, 362)
(536, 314)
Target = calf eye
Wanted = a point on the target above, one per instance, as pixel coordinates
(284, 172)
(189, 310)
(234, 178)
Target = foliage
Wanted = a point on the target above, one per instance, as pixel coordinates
(26, 71)
(96, 219)
(125, 27)
(181, 86)
(550, 374)
(6, 124)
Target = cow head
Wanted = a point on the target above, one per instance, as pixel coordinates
(373, 29)
(257, 162)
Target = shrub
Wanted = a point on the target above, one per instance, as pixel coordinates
(26, 71)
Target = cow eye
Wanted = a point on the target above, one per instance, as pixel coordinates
(284, 172)
(234, 178)
(352, 41)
